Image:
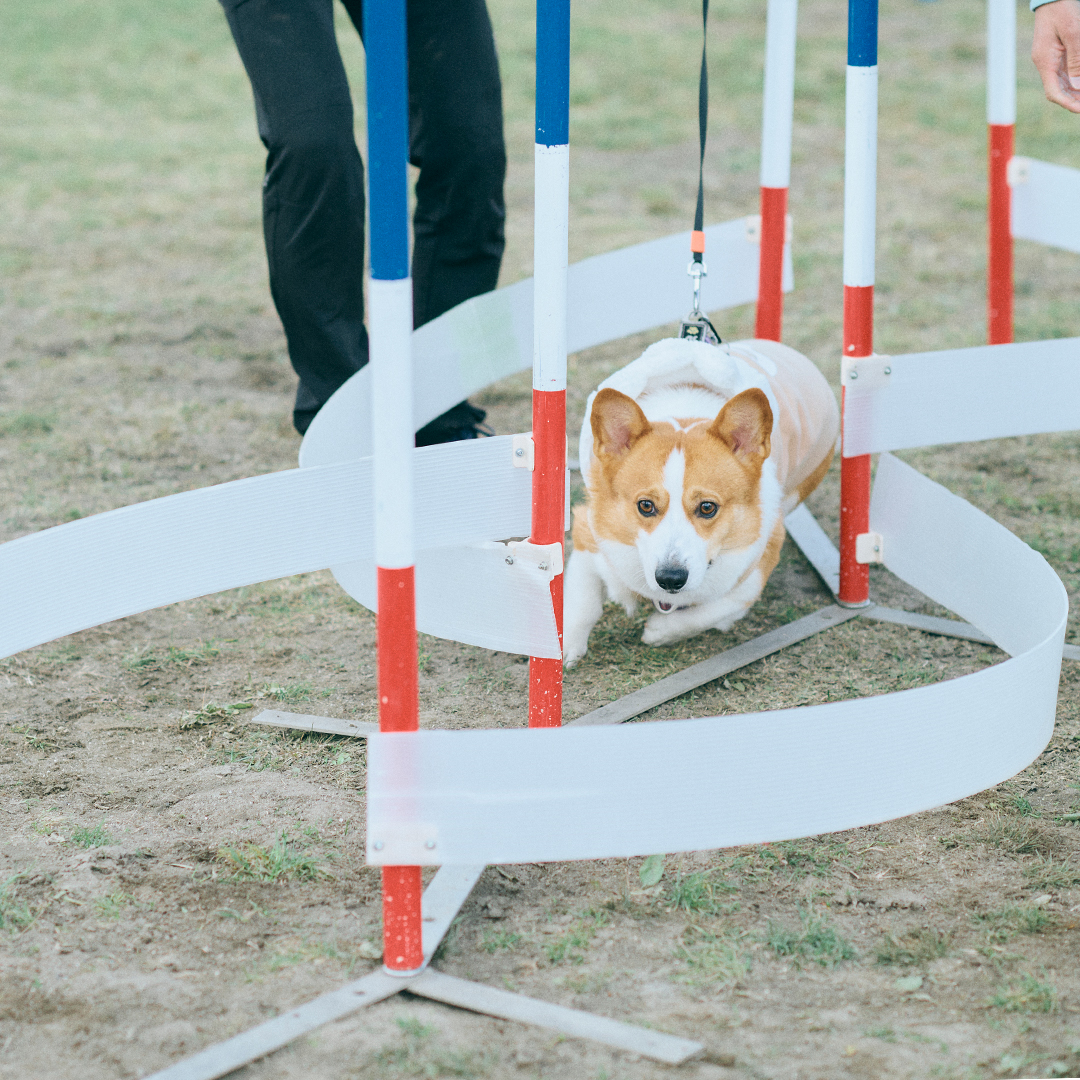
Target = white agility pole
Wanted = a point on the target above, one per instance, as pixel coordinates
(1001, 122)
(776, 125)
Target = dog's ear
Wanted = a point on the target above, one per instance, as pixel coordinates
(617, 423)
(745, 424)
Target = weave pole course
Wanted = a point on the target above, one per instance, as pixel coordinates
(913, 516)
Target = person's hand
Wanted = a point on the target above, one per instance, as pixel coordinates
(1055, 51)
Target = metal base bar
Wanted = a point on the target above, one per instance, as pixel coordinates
(273, 1034)
(682, 682)
(928, 623)
(669, 1049)
(329, 725)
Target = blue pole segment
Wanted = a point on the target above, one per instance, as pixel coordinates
(552, 72)
(388, 137)
(862, 33)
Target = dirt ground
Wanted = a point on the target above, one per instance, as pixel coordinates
(172, 875)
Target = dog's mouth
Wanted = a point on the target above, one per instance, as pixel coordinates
(666, 606)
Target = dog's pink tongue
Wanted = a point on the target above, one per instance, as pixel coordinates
(663, 606)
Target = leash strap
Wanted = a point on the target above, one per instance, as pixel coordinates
(697, 238)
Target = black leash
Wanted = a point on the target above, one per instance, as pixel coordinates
(696, 325)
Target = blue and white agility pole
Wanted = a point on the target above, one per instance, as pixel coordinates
(390, 322)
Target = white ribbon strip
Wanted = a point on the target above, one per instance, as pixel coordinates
(603, 792)
(961, 395)
(104, 567)
(1045, 202)
(489, 337)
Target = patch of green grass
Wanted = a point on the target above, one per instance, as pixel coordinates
(15, 913)
(568, 946)
(500, 939)
(700, 892)
(291, 694)
(278, 862)
(714, 958)
(815, 940)
(915, 947)
(1010, 921)
(803, 858)
(418, 1055)
(114, 904)
(1026, 995)
(26, 423)
(1044, 873)
(146, 658)
(98, 836)
(212, 712)
(1017, 837)
(304, 954)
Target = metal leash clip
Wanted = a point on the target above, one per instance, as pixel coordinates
(696, 326)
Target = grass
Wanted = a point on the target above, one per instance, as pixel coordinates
(815, 941)
(1010, 921)
(212, 712)
(700, 892)
(15, 913)
(292, 694)
(1026, 995)
(1015, 836)
(98, 836)
(714, 958)
(419, 1055)
(114, 904)
(500, 939)
(1044, 873)
(570, 946)
(278, 862)
(913, 948)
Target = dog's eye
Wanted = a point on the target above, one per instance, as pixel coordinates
(707, 509)
(646, 508)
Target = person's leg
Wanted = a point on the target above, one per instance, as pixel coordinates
(313, 193)
(456, 140)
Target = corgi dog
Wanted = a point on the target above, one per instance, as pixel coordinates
(692, 455)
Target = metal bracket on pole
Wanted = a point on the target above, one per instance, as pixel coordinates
(869, 548)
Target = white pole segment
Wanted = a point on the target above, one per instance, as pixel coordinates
(550, 256)
(390, 321)
(1001, 62)
(779, 94)
(860, 175)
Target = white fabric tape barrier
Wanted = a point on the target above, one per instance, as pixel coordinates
(489, 337)
(961, 395)
(1045, 203)
(602, 792)
(104, 567)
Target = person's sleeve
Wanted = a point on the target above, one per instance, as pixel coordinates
(1039, 3)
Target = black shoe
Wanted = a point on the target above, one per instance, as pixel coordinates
(463, 421)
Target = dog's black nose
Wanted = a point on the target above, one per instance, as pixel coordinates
(671, 577)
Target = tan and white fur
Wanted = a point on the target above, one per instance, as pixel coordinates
(692, 455)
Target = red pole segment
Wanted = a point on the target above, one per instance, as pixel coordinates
(770, 307)
(548, 510)
(999, 265)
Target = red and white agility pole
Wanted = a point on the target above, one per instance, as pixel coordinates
(860, 205)
(390, 331)
(1001, 121)
(550, 258)
(776, 124)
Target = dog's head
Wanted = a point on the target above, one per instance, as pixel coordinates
(682, 494)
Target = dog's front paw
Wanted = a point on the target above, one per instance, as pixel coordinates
(663, 630)
(574, 647)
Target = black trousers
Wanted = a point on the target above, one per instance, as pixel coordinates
(313, 192)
